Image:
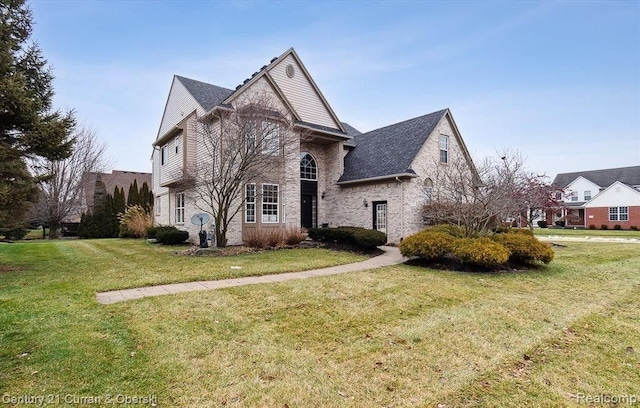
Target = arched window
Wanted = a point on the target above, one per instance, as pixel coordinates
(427, 187)
(308, 168)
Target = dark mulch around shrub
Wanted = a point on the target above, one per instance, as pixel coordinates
(453, 264)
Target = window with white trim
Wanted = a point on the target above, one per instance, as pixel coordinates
(158, 201)
(250, 136)
(618, 213)
(163, 155)
(270, 138)
(427, 187)
(176, 144)
(308, 167)
(250, 203)
(444, 149)
(574, 196)
(270, 203)
(587, 195)
(180, 208)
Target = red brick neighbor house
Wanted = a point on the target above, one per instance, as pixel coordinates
(599, 197)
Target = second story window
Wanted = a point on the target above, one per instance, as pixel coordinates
(444, 149)
(270, 138)
(163, 155)
(587, 195)
(250, 136)
(176, 144)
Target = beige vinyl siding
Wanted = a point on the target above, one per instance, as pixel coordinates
(301, 95)
(172, 170)
(179, 104)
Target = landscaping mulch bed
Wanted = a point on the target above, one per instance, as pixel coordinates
(241, 250)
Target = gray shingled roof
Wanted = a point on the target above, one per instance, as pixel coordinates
(603, 178)
(206, 94)
(351, 131)
(388, 150)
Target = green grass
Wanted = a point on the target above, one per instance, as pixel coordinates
(587, 232)
(397, 336)
(35, 234)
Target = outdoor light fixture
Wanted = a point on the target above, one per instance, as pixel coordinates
(322, 195)
(365, 203)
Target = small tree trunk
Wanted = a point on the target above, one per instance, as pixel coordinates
(221, 238)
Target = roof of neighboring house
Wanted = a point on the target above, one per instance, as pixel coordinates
(603, 178)
(206, 94)
(389, 150)
(118, 178)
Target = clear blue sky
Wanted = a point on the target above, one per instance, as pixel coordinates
(558, 81)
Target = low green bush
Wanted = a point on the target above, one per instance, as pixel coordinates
(617, 227)
(152, 232)
(13, 234)
(592, 227)
(513, 231)
(427, 244)
(542, 224)
(634, 227)
(604, 227)
(524, 248)
(481, 252)
(362, 237)
(172, 237)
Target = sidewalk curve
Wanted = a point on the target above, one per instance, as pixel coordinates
(391, 256)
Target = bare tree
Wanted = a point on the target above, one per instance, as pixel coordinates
(61, 191)
(237, 146)
(476, 199)
(538, 196)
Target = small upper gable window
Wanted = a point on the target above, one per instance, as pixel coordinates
(444, 149)
(290, 71)
(176, 145)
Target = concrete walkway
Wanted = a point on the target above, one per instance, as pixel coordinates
(391, 256)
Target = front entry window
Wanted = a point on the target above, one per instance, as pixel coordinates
(308, 167)
(380, 216)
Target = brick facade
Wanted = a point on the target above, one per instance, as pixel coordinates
(601, 217)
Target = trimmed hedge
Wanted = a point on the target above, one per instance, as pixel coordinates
(172, 237)
(362, 237)
(13, 234)
(453, 230)
(481, 252)
(508, 245)
(542, 224)
(428, 244)
(152, 232)
(524, 248)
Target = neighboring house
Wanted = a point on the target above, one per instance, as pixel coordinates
(120, 178)
(335, 175)
(599, 197)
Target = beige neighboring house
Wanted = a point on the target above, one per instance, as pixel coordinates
(333, 175)
(121, 178)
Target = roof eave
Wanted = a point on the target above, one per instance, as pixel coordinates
(168, 135)
(378, 178)
(327, 132)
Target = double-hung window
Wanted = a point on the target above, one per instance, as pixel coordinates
(270, 203)
(618, 213)
(270, 138)
(176, 144)
(250, 203)
(587, 195)
(444, 149)
(180, 208)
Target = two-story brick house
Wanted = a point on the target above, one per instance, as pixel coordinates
(598, 197)
(330, 175)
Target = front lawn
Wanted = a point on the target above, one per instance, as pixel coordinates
(397, 336)
(586, 232)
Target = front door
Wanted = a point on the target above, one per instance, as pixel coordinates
(380, 216)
